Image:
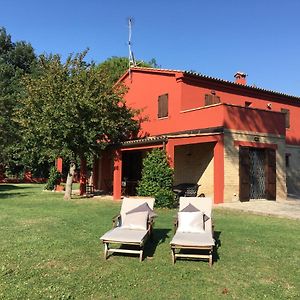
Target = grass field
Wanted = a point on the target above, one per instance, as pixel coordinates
(50, 249)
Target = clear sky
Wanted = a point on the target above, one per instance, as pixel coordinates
(213, 37)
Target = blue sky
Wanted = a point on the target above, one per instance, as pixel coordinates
(216, 37)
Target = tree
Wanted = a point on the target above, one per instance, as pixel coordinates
(157, 179)
(16, 59)
(70, 110)
(116, 66)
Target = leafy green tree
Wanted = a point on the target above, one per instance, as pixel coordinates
(116, 66)
(157, 179)
(16, 59)
(70, 110)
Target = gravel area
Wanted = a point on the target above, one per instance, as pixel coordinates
(286, 209)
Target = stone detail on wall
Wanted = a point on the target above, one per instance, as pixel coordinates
(231, 162)
(195, 164)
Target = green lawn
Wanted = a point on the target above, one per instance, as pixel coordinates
(50, 249)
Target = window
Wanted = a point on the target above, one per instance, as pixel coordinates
(163, 106)
(248, 103)
(211, 99)
(287, 117)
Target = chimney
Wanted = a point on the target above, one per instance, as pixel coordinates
(240, 78)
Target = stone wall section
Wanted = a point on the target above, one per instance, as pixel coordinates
(195, 164)
(231, 162)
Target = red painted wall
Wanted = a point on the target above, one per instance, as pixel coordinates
(143, 94)
(238, 95)
(186, 111)
(249, 119)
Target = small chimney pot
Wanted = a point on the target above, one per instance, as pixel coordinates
(240, 78)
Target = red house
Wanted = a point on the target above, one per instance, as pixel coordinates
(238, 142)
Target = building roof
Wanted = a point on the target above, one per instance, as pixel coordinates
(202, 76)
(179, 134)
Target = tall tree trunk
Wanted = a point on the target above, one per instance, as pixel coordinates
(69, 182)
(82, 176)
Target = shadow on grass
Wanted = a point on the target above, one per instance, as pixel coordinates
(216, 256)
(11, 195)
(158, 237)
(10, 187)
(12, 190)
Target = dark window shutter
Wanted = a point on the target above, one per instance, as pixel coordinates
(271, 174)
(287, 117)
(208, 100)
(244, 174)
(211, 99)
(216, 99)
(163, 106)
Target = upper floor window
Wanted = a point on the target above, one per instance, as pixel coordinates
(287, 117)
(163, 106)
(211, 99)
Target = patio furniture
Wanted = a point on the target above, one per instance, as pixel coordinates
(193, 230)
(131, 228)
(89, 190)
(186, 189)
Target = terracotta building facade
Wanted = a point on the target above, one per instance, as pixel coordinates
(237, 142)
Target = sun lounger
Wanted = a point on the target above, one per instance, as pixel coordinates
(193, 230)
(131, 228)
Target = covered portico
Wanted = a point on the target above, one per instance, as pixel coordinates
(196, 147)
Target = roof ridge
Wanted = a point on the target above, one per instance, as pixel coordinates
(197, 74)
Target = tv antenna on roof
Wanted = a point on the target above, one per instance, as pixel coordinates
(131, 59)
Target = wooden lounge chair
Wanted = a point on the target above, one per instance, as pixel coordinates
(193, 230)
(131, 228)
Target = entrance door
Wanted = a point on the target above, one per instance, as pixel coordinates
(257, 173)
(257, 158)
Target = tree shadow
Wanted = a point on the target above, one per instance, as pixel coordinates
(158, 237)
(11, 195)
(10, 187)
(6, 191)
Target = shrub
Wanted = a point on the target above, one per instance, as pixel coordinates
(165, 198)
(157, 179)
(54, 178)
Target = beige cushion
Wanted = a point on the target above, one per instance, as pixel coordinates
(193, 239)
(192, 208)
(143, 207)
(203, 204)
(123, 235)
(137, 220)
(131, 203)
(190, 222)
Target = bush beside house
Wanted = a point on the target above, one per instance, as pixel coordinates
(157, 179)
